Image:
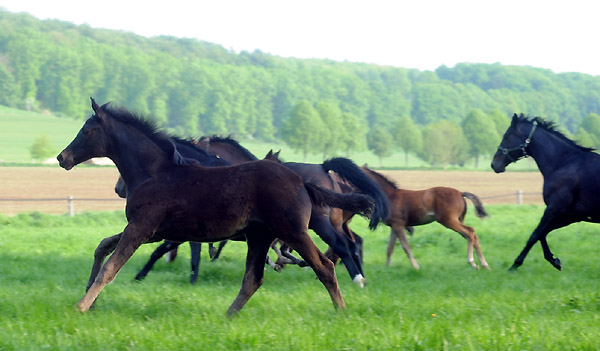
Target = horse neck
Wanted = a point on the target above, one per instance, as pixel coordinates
(549, 151)
(137, 157)
(385, 186)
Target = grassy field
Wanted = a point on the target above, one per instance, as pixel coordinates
(18, 130)
(444, 306)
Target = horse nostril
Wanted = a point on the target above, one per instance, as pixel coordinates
(59, 157)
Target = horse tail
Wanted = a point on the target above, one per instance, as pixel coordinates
(355, 202)
(479, 210)
(350, 172)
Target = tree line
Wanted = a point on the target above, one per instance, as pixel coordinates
(198, 88)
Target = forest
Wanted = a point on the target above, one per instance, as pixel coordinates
(316, 106)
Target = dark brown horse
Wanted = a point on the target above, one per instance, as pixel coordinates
(571, 185)
(329, 223)
(187, 148)
(178, 200)
(417, 207)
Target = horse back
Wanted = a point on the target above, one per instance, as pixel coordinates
(417, 207)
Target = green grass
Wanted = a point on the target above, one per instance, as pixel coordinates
(18, 130)
(45, 262)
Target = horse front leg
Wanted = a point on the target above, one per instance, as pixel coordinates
(391, 246)
(129, 241)
(550, 220)
(105, 248)
(195, 261)
(401, 234)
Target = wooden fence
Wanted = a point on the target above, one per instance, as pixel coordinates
(71, 201)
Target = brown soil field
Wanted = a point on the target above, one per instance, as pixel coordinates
(45, 189)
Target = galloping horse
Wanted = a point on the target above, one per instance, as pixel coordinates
(188, 149)
(417, 207)
(329, 223)
(178, 200)
(571, 185)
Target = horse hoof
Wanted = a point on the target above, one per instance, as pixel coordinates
(556, 263)
(359, 280)
(513, 268)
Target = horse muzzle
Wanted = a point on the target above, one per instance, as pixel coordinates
(65, 160)
(498, 163)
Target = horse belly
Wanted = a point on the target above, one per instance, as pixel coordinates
(420, 218)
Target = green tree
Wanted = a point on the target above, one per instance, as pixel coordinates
(354, 136)
(501, 121)
(443, 143)
(591, 125)
(380, 142)
(41, 148)
(407, 136)
(331, 115)
(8, 87)
(584, 138)
(480, 133)
(303, 129)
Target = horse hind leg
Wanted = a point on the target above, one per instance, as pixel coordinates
(321, 265)
(472, 242)
(164, 248)
(258, 246)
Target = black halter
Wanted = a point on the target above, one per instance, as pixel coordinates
(522, 147)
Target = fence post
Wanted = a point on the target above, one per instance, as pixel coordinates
(519, 197)
(71, 205)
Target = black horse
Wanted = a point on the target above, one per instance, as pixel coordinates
(329, 223)
(188, 149)
(176, 199)
(571, 185)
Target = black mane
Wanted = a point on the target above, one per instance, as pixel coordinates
(150, 128)
(230, 141)
(551, 128)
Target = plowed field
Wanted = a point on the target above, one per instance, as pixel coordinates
(93, 187)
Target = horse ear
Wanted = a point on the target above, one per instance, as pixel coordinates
(277, 154)
(98, 110)
(269, 154)
(515, 118)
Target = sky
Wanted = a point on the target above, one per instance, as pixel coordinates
(422, 34)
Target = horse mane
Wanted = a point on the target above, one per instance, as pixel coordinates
(382, 177)
(550, 127)
(150, 129)
(232, 142)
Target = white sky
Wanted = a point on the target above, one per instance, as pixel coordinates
(423, 34)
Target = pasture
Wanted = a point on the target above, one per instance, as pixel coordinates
(98, 182)
(45, 262)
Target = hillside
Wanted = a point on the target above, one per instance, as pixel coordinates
(196, 88)
(18, 130)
